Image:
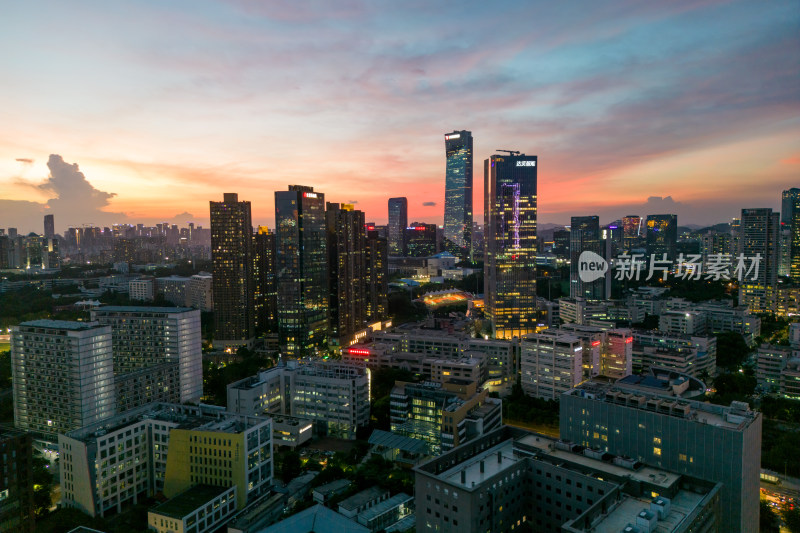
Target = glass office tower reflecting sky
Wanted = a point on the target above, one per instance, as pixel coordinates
(302, 269)
(458, 193)
(510, 247)
(398, 221)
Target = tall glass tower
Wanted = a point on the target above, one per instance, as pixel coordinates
(458, 194)
(662, 235)
(584, 236)
(398, 221)
(301, 265)
(510, 244)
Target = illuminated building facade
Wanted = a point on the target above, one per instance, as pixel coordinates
(790, 219)
(377, 276)
(398, 222)
(458, 194)
(420, 239)
(760, 235)
(510, 247)
(662, 235)
(585, 237)
(302, 269)
(266, 289)
(347, 250)
(631, 231)
(232, 258)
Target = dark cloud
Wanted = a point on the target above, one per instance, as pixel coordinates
(429, 204)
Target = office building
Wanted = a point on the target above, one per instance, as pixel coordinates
(650, 421)
(301, 266)
(16, 482)
(551, 363)
(458, 194)
(145, 337)
(631, 232)
(172, 289)
(420, 239)
(692, 355)
(347, 251)
(63, 375)
(49, 227)
(510, 248)
(335, 396)
(265, 285)
(561, 243)
(585, 237)
(510, 479)
(200, 509)
(199, 292)
(142, 289)
(662, 236)
(164, 448)
(760, 236)
(398, 222)
(232, 257)
(790, 220)
(377, 263)
(444, 415)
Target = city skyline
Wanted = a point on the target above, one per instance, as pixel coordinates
(233, 94)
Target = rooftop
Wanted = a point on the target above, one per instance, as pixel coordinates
(482, 466)
(384, 506)
(141, 309)
(362, 498)
(317, 519)
(387, 439)
(61, 324)
(188, 501)
(333, 486)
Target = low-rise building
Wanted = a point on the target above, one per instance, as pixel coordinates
(361, 501)
(335, 396)
(200, 509)
(325, 492)
(166, 448)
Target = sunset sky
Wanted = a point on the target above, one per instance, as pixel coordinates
(632, 107)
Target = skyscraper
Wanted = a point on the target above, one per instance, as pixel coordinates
(232, 257)
(377, 277)
(790, 219)
(266, 290)
(398, 222)
(301, 264)
(458, 194)
(49, 227)
(347, 249)
(510, 247)
(585, 237)
(420, 239)
(662, 235)
(63, 375)
(631, 231)
(760, 235)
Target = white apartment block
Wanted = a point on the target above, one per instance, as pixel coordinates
(63, 376)
(551, 363)
(145, 337)
(335, 396)
(142, 289)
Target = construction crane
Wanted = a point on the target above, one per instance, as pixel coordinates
(510, 152)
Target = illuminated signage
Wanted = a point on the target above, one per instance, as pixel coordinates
(526, 163)
(629, 340)
(354, 351)
(596, 343)
(309, 195)
(453, 136)
(417, 228)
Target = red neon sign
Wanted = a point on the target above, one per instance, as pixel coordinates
(629, 340)
(357, 351)
(596, 343)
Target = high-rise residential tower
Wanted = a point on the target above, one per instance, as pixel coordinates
(377, 276)
(347, 250)
(458, 194)
(510, 243)
(266, 290)
(232, 257)
(662, 235)
(63, 375)
(147, 337)
(585, 236)
(301, 265)
(398, 221)
(759, 236)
